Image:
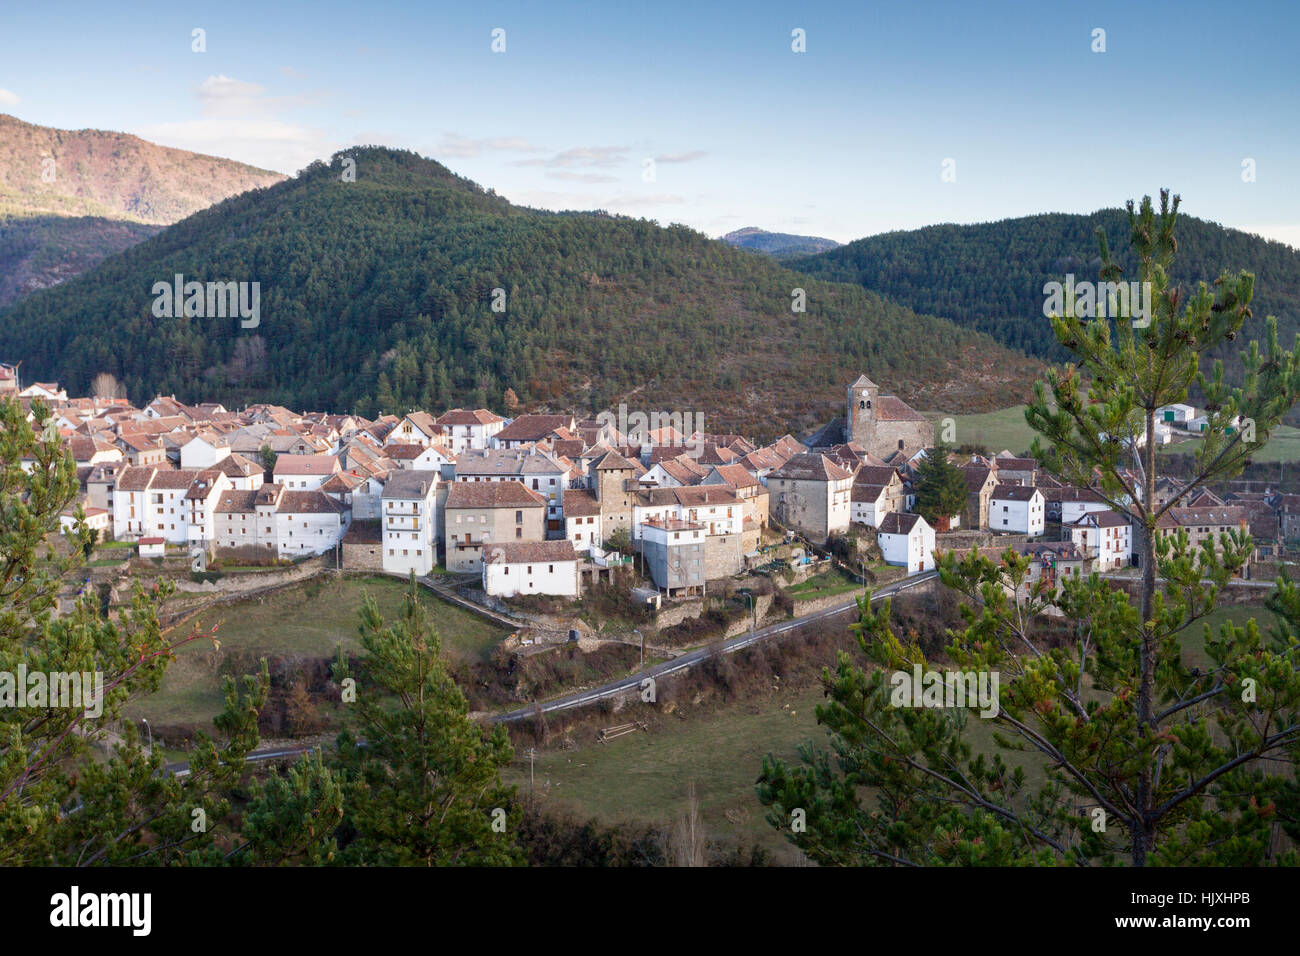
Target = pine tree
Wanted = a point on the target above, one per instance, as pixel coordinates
(60, 802)
(424, 788)
(940, 488)
(1149, 757)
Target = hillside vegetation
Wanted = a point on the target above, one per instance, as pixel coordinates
(377, 295)
(990, 276)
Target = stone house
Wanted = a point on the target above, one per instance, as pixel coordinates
(812, 494)
(481, 513)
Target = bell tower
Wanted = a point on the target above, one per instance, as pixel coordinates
(860, 423)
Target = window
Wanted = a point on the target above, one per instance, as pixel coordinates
(519, 517)
(519, 532)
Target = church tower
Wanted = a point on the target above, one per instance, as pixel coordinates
(860, 423)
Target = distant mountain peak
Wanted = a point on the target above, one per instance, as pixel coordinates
(777, 244)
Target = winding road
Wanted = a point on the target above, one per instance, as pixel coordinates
(633, 681)
(690, 659)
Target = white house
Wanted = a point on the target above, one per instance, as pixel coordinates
(512, 568)
(204, 451)
(417, 428)
(582, 524)
(152, 547)
(413, 457)
(1201, 424)
(409, 522)
(97, 519)
(1017, 508)
(463, 428)
(1076, 504)
(48, 391)
(153, 502)
(1106, 537)
(285, 523)
(200, 506)
(870, 504)
(1177, 414)
(906, 540)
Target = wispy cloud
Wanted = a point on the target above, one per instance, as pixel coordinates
(627, 203)
(239, 119)
(580, 156)
(687, 157)
(464, 147)
(581, 177)
(8, 97)
(223, 94)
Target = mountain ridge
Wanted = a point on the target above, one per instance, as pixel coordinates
(377, 295)
(69, 198)
(989, 276)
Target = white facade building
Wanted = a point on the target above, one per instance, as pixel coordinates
(906, 540)
(1020, 509)
(1106, 537)
(530, 567)
(409, 522)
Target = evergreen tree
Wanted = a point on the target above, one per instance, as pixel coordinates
(1149, 756)
(940, 488)
(61, 803)
(422, 780)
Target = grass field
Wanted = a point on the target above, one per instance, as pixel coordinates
(1007, 429)
(1003, 429)
(825, 584)
(644, 776)
(1283, 445)
(309, 620)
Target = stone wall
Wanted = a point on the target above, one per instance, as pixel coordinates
(989, 543)
(672, 614)
(888, 434)
(723, 556)
(365, 556)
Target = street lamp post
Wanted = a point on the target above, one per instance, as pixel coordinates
(753, 620)
(642, 636)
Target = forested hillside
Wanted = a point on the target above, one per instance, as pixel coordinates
(990, 276)
(376, 295)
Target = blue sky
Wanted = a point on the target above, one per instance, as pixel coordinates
(844, 140)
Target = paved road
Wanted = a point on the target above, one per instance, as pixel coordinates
(182, 769)
(633, 681)
(692, 658)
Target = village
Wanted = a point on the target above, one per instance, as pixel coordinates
(547, 504)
